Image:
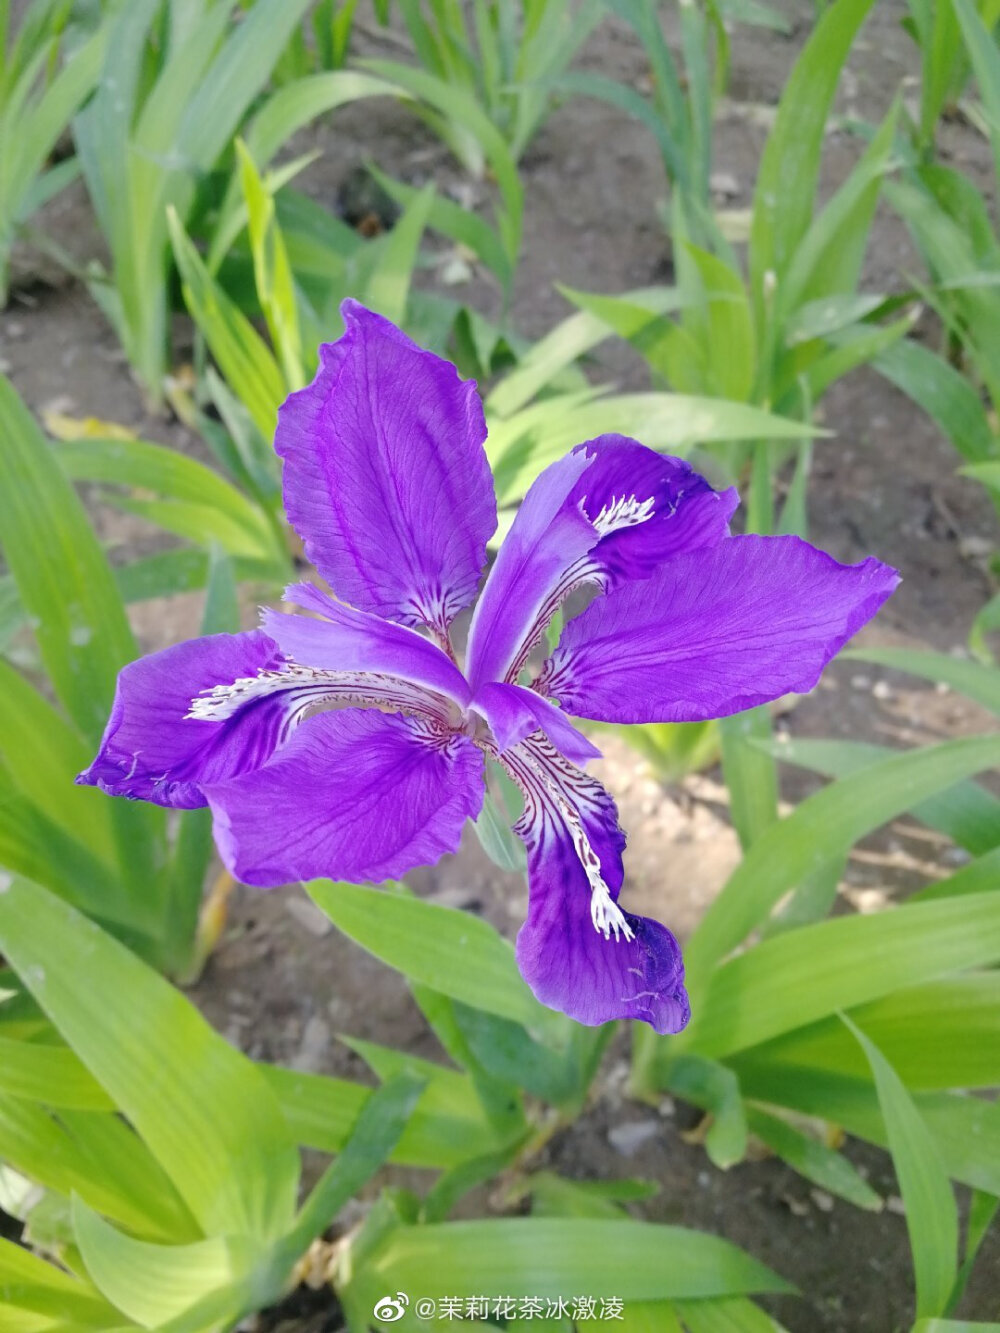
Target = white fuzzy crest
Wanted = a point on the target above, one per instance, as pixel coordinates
(538, 762)
(628, 511)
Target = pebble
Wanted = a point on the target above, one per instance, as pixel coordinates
(724, 184)
(314, 1045)
(972, 548)
(627, 1139)
(308, 915)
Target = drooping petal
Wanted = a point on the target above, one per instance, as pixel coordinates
(350, 640)
(714, 632)
(513, 713)
(578, 950)
(610, 511)
(354, 796)
(152, 750)
(385, 476)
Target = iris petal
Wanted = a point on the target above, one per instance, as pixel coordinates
(714, 632)
(610, 511)
(355, 795)
(513, 712)
(153, 751)
(385, 476)
(346, 639)
(649, 506)
(578, 950)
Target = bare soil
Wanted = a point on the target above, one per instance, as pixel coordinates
(283, 984)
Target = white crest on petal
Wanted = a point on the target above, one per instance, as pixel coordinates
(308, 686)
(626, 511)
(606, 915)
(540, 770)
(222, 701)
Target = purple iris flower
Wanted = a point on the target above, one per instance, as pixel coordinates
(349, 743)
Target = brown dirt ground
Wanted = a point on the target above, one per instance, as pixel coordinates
(282, 985)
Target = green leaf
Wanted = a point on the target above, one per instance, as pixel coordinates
(506, 1052)
(43, 754)
(497, 840)
(736, 1315)
(851, 347)
(64, 581)
(972, 679)
(931, 1215)
(29, 132)
(389, 286)
(966, 812)
(714, 1088)
(832, 819)
(828, 315)
(48, 1074)
(287, 110)
(452, 1186)
(550, 1256)
(987, 474)
(153, 467)
(522, 445)
(721, 317)
(461, 110)
(985, 61)
(455, 222)
(443, 1131)
(373, 1137)
(546, 359)
(980, 876)
(953, 1326)
(452, 951)
(752, 779)
(937, 1035)
(660, 341)
(244, 359)
(943, 392)
(810, 1158)
(28, 1282)
(828, 259)
(555, 1196)
(967, 1129)
(789, 168)
(801, 975)
(987, 620)
(97, 1157)
(202, 1108)
(153, 1283)
(272, 271)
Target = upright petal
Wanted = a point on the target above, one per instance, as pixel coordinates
(610, 511)
(153, 751)
(578, 950)
(385, 476)
(346, 639)
(354, 796)
(714, 632)
(536, 567)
